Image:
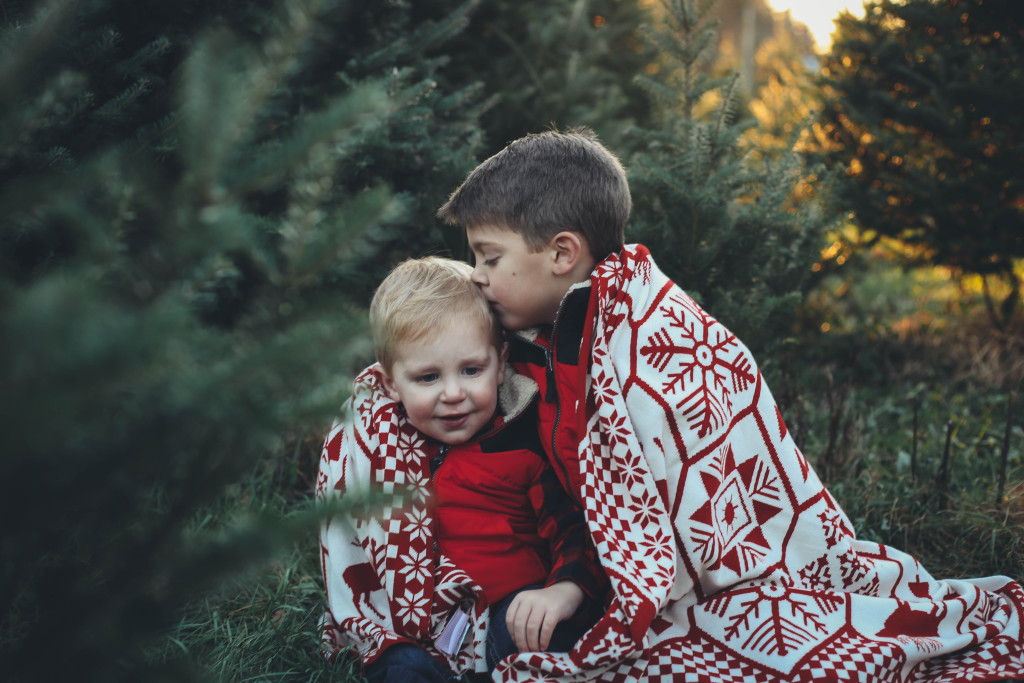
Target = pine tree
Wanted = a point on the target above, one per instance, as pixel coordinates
(728, 224)
(785, 101)
(184, 194)
(425, 146)
(557, 63)
(923, 112)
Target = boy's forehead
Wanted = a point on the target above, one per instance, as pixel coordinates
(437, 341)
(489, 234)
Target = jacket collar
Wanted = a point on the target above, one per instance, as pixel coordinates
(563, 338)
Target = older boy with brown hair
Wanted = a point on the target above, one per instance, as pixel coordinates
(500, 514)
(728, 558)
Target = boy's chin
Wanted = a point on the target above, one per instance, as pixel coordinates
(514, 324)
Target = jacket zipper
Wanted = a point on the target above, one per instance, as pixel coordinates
(436, 461)
(442, 453)
(435, 465)
(550, 355)
(550, 393)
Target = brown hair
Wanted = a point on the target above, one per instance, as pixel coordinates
(544, 183)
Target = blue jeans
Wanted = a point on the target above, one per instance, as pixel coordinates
(501, 645)
(409, 664)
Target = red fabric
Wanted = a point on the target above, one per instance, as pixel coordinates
(556, 373)
(385, 584)
(504, 518)
(490, 530)
(729, 560)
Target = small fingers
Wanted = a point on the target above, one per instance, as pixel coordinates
(530, 625)
(547, 628)
(532, 629)
(516, 619)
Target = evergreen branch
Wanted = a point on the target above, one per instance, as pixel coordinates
(310, 254)
(103, 45)
(229, 86)
(726, 111)
(665, 94)
(523, 59)
(115, 107)
(63, 96)
(24, 53)
(360, 107)
(144, 56)
(433, 34)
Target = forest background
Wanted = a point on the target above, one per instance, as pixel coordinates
(198, 198)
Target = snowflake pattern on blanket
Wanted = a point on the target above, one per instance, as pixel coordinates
(385, 583)
(729, 560)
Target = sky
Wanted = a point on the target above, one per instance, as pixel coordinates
(818, 14)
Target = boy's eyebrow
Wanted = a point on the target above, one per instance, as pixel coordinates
(420, 369)
(470, 359)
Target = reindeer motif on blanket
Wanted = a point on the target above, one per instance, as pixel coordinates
(362, 579)
(909, 625)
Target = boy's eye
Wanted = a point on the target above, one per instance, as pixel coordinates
(490, 261)
(472, 371)
(427, 378)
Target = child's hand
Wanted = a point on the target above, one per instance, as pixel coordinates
(533, 614)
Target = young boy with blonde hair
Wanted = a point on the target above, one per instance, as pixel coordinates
(440, 412)
(728, 558)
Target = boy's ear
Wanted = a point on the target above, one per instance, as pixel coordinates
(566, 251)
(388, 383)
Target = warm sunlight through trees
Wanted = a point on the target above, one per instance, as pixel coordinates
(924, 108)
(818, 15)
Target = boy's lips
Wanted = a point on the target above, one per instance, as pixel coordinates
(454, 421)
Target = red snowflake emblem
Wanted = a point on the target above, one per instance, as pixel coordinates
(321, 485)
(741, 499)
(411, 608)
(417, 566)
(631, 468)
(701, 361)
(645, 509)
(410, 444)
(834, 526)
(853, 567)
(774, 619)
(365, 411)
(816, 575)
(618, 429)
(658, 547)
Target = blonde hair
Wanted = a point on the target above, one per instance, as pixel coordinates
(421, 295)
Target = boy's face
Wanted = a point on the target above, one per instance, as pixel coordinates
(518, 283)
(448, 381)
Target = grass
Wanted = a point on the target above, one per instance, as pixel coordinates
(898, 344)
(262, 627)
(903, 362)
(264, 624)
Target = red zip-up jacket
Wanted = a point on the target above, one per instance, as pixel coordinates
(555, 358)
(503, 516)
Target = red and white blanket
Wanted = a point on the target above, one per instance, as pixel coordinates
(729, 560)
(384, 582)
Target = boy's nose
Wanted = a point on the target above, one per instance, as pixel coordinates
(477, 277)
(452, 391)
